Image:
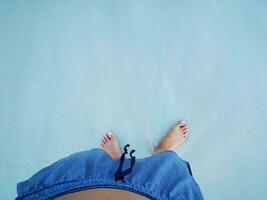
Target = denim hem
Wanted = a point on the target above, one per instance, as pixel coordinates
(60, 189)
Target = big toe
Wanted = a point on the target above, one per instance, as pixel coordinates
(110, 135)
(181, 123)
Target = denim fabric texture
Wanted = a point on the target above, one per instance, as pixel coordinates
(164, 176)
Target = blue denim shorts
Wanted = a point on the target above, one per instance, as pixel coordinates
(163, 176)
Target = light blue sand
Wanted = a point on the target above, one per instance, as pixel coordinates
(72, 70)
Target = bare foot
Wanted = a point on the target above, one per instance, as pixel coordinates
(174, 138)
(110, 144)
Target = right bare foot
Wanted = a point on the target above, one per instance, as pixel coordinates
(174, 138)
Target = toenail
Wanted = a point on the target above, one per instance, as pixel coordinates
(181, 122)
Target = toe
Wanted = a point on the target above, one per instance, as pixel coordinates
(104, 141)
(181, 123)
(183, 129)
(106, 138)
(181, 126)
(110, 135)
(185, 132)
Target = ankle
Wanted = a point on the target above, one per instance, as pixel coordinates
(157, 150)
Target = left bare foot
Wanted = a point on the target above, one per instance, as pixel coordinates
(110, 144)
(174, 138)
